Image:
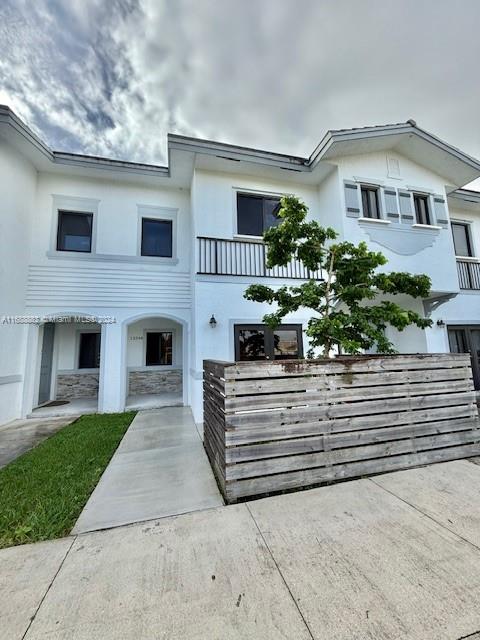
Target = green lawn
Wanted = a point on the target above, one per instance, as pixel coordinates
(43, 491)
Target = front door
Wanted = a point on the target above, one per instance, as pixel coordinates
(466, 339)
(46, 363)
(259, 342)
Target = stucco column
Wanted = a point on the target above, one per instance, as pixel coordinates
(437, 338)
(31, 369)
(112, 383)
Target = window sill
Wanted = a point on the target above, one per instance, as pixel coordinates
(374, 221)
(432, 227)
(468, 258)
(106, 257)
(156, 367)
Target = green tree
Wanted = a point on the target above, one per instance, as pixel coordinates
(346, 312)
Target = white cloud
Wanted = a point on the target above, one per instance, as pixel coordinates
(112, 78)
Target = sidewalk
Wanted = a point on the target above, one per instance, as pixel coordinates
(160, 469)
(397, 556)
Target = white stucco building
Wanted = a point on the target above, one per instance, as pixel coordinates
(118, 279)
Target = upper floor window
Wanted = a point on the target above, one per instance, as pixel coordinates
(159, 349)
(74, 231)
(461, 239)
(89, 353)
(157, 238)
(256, 213)
(371, 208)
(422, 210)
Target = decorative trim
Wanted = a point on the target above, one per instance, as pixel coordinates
(425, 226)
(109, 257)
(369, 181)
(375, 220)
(420, 190)
(10, 379)
(401, 240)
(432, 304)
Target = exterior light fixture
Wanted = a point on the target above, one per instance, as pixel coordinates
(440, 323)
(212, 322)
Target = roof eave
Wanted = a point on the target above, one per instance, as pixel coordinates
(234, 152)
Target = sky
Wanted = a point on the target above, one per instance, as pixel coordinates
(113, 77)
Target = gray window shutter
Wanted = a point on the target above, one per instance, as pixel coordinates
(440, 211)
(406, 207)
(391, 204)
(352, 201)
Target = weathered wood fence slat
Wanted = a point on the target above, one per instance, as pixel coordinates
(272, 426)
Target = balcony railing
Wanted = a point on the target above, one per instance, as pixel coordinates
(220, 256)
(468, 274)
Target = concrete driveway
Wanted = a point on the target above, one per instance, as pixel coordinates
(393, 557)
(19, 436)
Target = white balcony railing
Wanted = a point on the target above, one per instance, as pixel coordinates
(468, 274)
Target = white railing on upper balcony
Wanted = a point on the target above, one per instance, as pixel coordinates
(224, 257)
(468, 274)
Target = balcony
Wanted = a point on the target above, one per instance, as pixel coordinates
(223, 257)
(468, 274)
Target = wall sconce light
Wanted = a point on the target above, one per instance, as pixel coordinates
(212, 322)
(440, 323)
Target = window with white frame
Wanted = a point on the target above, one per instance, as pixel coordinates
(461, 239)
(74, 231)
(157, 238)
(256, 213)
(422, 209)
(370, 202)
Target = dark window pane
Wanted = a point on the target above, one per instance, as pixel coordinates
(259, 342)
(285, 343)
(457, 341)
(249, 215)
(370, 205)
(89, 357)
(421, 209)
(156, 238)
(74, 231)
(461, 239)
(271, 207)
(159, 348)
(251, 344)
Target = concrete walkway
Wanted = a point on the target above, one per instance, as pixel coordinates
(397, 556)
(19, 436)
(160, 469)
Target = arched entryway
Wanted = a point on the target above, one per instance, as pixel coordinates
(155, 357)
(68, 365)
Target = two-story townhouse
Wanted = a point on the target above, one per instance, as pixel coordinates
(135, 273)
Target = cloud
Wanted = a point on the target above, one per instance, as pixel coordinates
(112, 78)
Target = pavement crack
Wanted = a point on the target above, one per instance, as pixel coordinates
(440, 524)
(280, 573)
(48, 588)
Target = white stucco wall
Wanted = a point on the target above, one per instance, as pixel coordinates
(438, 260)
(67, 343)
(17, 194)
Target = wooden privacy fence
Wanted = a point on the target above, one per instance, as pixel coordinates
(271, 426)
